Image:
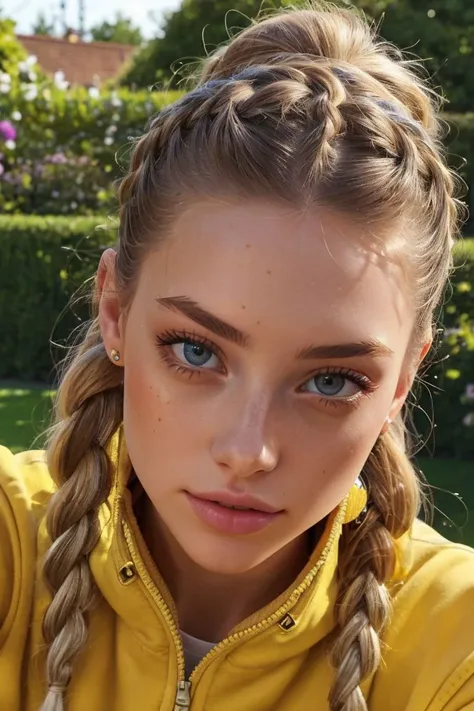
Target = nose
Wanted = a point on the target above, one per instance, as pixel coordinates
(246, 446)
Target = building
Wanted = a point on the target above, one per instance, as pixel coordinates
(83, 63)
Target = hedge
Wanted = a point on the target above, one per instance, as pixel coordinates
(44, 261)
(70, 148)
(72, 145)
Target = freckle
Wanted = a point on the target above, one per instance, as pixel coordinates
(269, 271)
(258, 323)
(247, 246)
(243, 306)
(159, 419)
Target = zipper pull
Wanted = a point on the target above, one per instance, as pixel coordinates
(183, 696)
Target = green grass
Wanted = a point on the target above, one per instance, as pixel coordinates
(24, 413)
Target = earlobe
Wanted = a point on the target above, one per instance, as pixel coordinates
(109, 305)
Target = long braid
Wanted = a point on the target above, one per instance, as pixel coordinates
(366, 564)
(89, 410)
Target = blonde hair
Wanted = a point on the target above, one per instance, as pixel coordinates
(307, 107)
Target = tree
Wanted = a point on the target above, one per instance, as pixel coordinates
(43, 26)
(188, 34)
(121, 30)
(442, 33)
(439, 31)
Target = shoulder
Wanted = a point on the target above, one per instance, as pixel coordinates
(25, 488)
(25, 481)
(429, 642)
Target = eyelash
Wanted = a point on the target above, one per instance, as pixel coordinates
(172, 337)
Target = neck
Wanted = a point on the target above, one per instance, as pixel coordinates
(210, 604)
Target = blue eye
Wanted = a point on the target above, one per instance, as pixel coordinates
(333, 385)
(195, 354)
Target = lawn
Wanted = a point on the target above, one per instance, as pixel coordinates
(24, 413)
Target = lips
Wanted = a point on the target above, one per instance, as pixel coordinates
(233, 515)
(227, 499)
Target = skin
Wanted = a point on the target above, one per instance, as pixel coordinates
(254, 419)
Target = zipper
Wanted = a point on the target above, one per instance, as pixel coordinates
(183, 691)
(163, 608)
(252, 631)
(183, 696)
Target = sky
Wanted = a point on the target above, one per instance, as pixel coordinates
(25, 12)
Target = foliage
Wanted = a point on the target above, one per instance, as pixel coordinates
(11, 51)
(445, 419)
(189, 33)
(64, 159)
(46, 259)
(121, 30)
(43, 26)
(439, 31)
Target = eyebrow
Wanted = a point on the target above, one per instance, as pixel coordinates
(195, 312)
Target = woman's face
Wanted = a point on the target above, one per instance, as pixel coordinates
(263, 351)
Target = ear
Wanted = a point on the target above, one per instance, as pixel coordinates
(110, 313)
(405, 383)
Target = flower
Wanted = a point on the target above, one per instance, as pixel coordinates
(5, 83)
(94, 92)
(108, 140)
(16, 116)
(59, 80)
(10, 145)
(7, 131)
(30, 91)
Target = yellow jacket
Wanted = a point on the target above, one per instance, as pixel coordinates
(275, 661)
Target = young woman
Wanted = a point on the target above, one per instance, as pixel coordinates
(225, 517)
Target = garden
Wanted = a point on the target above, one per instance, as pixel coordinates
(62, 151)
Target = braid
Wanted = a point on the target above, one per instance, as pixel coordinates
(366, 563)
(89, 410)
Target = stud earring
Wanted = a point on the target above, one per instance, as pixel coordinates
(115, 355)
(356, 508)
(386, 425)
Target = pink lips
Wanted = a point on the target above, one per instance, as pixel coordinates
(213, 510)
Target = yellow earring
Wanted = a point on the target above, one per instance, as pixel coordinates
(356, 503)
(115, 355)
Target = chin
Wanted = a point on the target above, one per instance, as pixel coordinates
(225, 555)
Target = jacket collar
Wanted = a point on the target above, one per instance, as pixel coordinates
(304, 612)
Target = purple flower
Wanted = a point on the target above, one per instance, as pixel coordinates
(58, 158)
(7, 131)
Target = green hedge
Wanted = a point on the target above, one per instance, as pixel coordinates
(45, 260)
(70, 146)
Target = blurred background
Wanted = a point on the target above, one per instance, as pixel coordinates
(78, 82)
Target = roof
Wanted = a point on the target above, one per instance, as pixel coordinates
(84, 63)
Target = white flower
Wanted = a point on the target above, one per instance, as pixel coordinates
(31, 60)
(115, 101)
(108, 140)
(11, 145)
(32, 76)
(5, 83)
(60, 82)
(16, 116)
(111, 129)
(30, 92)
(94, 93)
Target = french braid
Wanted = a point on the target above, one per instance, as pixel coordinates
(308, 108)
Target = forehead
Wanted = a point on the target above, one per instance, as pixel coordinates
(287, 269)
